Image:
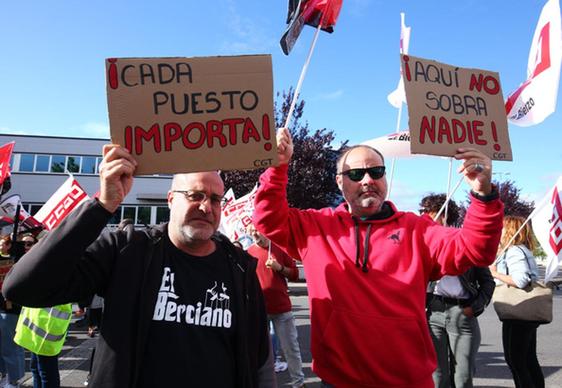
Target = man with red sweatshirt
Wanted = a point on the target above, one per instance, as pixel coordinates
(273, 269)
(368, 265)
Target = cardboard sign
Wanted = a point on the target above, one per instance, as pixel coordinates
(193, 114)
(451, 107)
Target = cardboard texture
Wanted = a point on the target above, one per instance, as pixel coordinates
(451, 107)
(193, 114)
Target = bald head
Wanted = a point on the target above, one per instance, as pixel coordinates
(341, 163)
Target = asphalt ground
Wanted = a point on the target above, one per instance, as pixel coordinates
(492, 370)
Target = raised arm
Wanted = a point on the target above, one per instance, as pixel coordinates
(67, 265)
(272, 213)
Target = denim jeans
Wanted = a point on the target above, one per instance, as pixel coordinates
(45, 370)
(12, 355)
(450, 328)
(286, 331)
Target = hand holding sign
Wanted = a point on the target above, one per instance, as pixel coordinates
(284, 146)
(477, 169)
(116, 176)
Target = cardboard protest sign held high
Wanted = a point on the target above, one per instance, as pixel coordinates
(193, 114)
(451, 107)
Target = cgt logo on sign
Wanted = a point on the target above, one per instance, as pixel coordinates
(72, 199)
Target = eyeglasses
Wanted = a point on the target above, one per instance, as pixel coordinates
(356, 174)
(28, 243)
(201, 196)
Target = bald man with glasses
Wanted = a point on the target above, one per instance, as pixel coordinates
(183, 306)
(367, 265)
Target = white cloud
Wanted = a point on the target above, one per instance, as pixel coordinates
(93, 129)
(247, 36)
(329, 96)
(11, 131)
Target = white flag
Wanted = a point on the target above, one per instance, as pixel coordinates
(535, 99)
(67, 197)
(398, 96)
(394, 145)
(237, 215)
(547, 225)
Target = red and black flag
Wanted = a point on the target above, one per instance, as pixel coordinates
(323, 13)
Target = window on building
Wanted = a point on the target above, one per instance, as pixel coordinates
(34, 209)
(88, 165)
(73, 164)
(143, 215)
(116, 217)
(57, 163)
(42, 163)
(162, 214)
(129, 212)
(98, 165)
(26, 162)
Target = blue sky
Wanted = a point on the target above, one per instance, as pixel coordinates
(52, 79)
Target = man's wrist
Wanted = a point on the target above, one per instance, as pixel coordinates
(281, 269)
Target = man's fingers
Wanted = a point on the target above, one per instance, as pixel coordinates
(113, 152)
(116, 168)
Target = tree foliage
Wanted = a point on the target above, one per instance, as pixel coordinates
(510, 195)
(312, 171)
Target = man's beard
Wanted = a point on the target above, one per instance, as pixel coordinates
(191, 234)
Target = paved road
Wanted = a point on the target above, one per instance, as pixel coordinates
(491, 368)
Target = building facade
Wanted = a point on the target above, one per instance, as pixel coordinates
(40, 164)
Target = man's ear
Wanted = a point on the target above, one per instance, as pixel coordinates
(170, 196)
(339, 181)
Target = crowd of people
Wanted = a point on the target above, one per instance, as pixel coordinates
(394, 296)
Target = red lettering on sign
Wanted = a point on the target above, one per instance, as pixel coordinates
(555, 238)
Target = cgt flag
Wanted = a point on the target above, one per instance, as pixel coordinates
(237, 215)
(323, 13)
(5, 155)
(547, 225)
(394, 145)
(67, 197)
(398, 96)
(535, 99)
(8, 208)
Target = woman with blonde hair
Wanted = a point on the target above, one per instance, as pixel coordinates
(517, 267)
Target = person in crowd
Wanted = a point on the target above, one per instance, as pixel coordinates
(94, 315)
(453, 305)
(182, 305)
(517, 267)
(42, 332)
(5, 245)
(274, 268)
(368, 265)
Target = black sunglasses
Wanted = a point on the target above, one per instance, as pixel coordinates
(356, 174)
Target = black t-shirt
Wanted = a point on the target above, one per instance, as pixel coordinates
(191, 340)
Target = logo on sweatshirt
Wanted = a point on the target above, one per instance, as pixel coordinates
(214, 311)
(395, 237)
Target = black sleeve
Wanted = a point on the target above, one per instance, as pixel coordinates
(486, 287)
(70, 264)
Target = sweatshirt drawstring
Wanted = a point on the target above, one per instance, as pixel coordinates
(365, 247)
(357, 250)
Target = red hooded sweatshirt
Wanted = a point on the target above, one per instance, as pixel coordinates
(367, 281)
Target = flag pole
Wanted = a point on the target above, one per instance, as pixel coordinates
(448, 199)
(301, 79)
(448, 190)
(394, 158)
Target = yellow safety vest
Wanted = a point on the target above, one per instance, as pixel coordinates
(43, 330)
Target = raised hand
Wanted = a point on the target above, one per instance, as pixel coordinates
(477, 169)
(284, 145)
(116, 176)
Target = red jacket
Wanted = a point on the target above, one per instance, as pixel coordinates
(368, 325)
(273, 284)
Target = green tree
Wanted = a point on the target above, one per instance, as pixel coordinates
(510, 195)
(312, 171)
